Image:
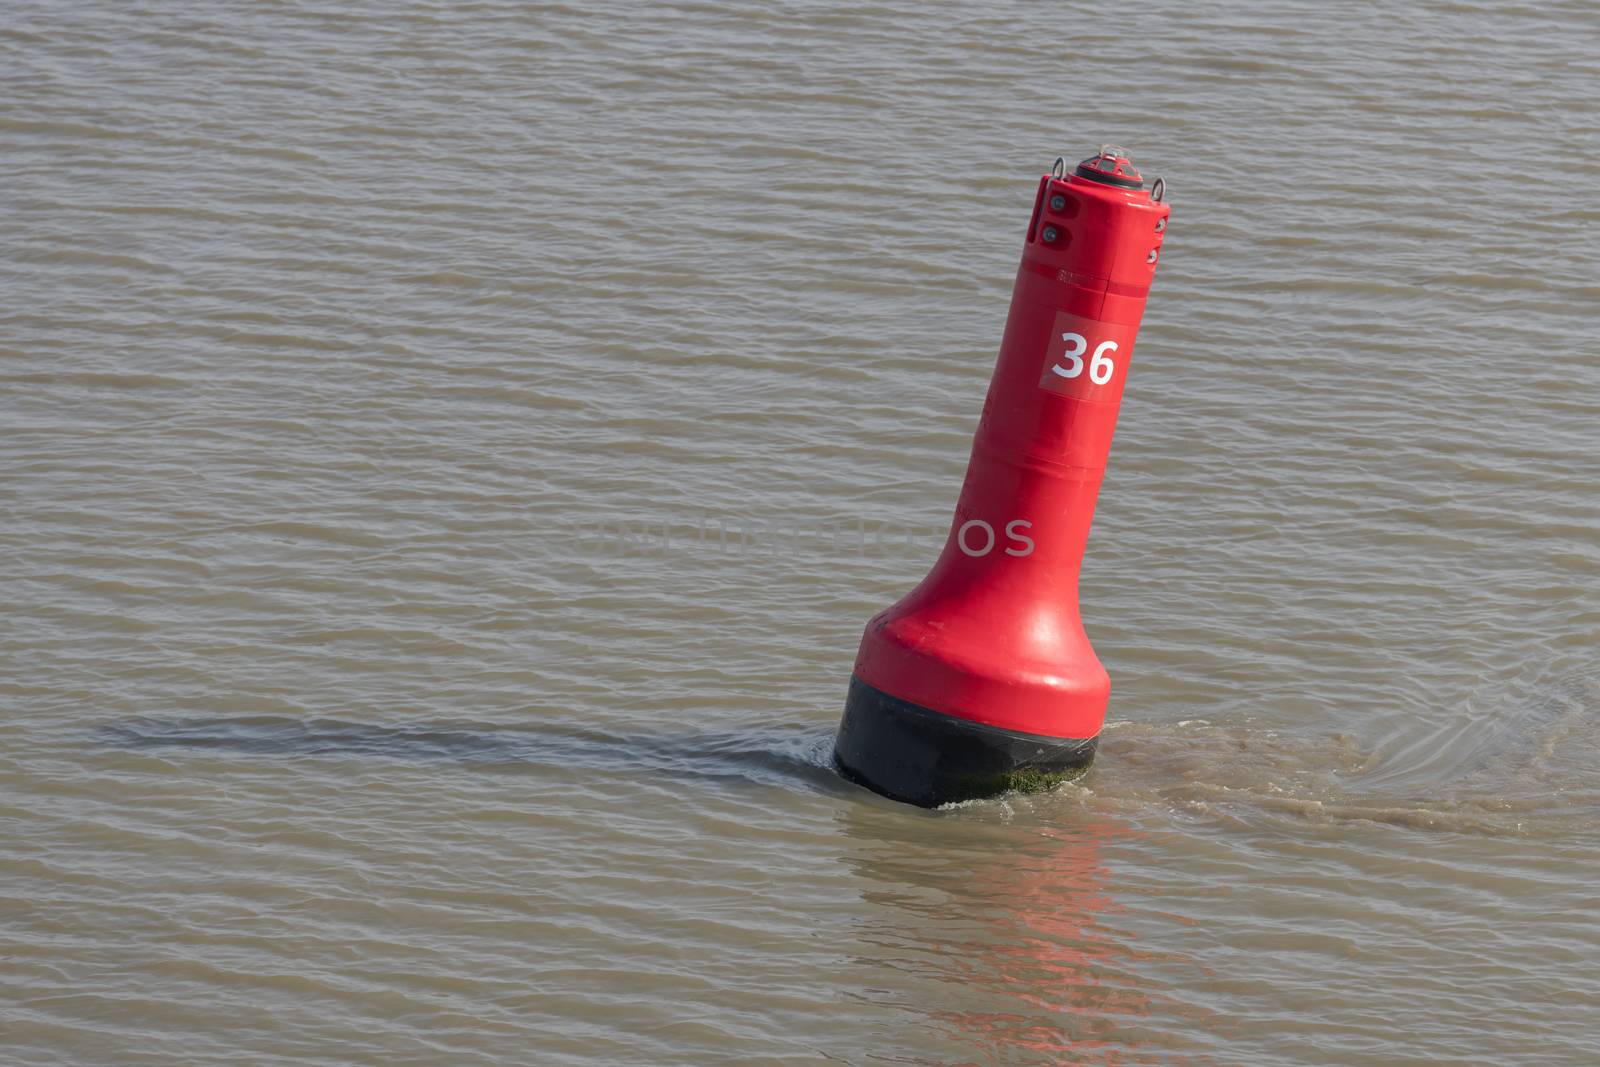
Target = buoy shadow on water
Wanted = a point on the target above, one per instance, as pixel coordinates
(1524, 763)
(781, 756)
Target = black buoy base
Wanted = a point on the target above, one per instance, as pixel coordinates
(924, 757)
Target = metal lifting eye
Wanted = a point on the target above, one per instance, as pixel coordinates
(1158, 190)
(1058, 169)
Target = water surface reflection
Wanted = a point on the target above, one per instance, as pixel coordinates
(1010, 921)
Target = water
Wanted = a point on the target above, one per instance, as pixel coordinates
(450, 453)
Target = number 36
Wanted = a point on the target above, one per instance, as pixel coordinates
(1100, 365)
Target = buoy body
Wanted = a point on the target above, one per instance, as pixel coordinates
(982, 679)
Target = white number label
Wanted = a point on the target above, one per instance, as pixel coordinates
(1087, 358)
(1100, 365)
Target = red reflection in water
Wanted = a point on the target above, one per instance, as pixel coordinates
(1016, 926)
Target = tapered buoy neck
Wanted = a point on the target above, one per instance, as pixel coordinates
(1111, 166)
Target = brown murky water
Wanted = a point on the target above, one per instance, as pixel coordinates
(450, 451)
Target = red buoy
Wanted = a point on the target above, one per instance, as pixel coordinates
(981, 679)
